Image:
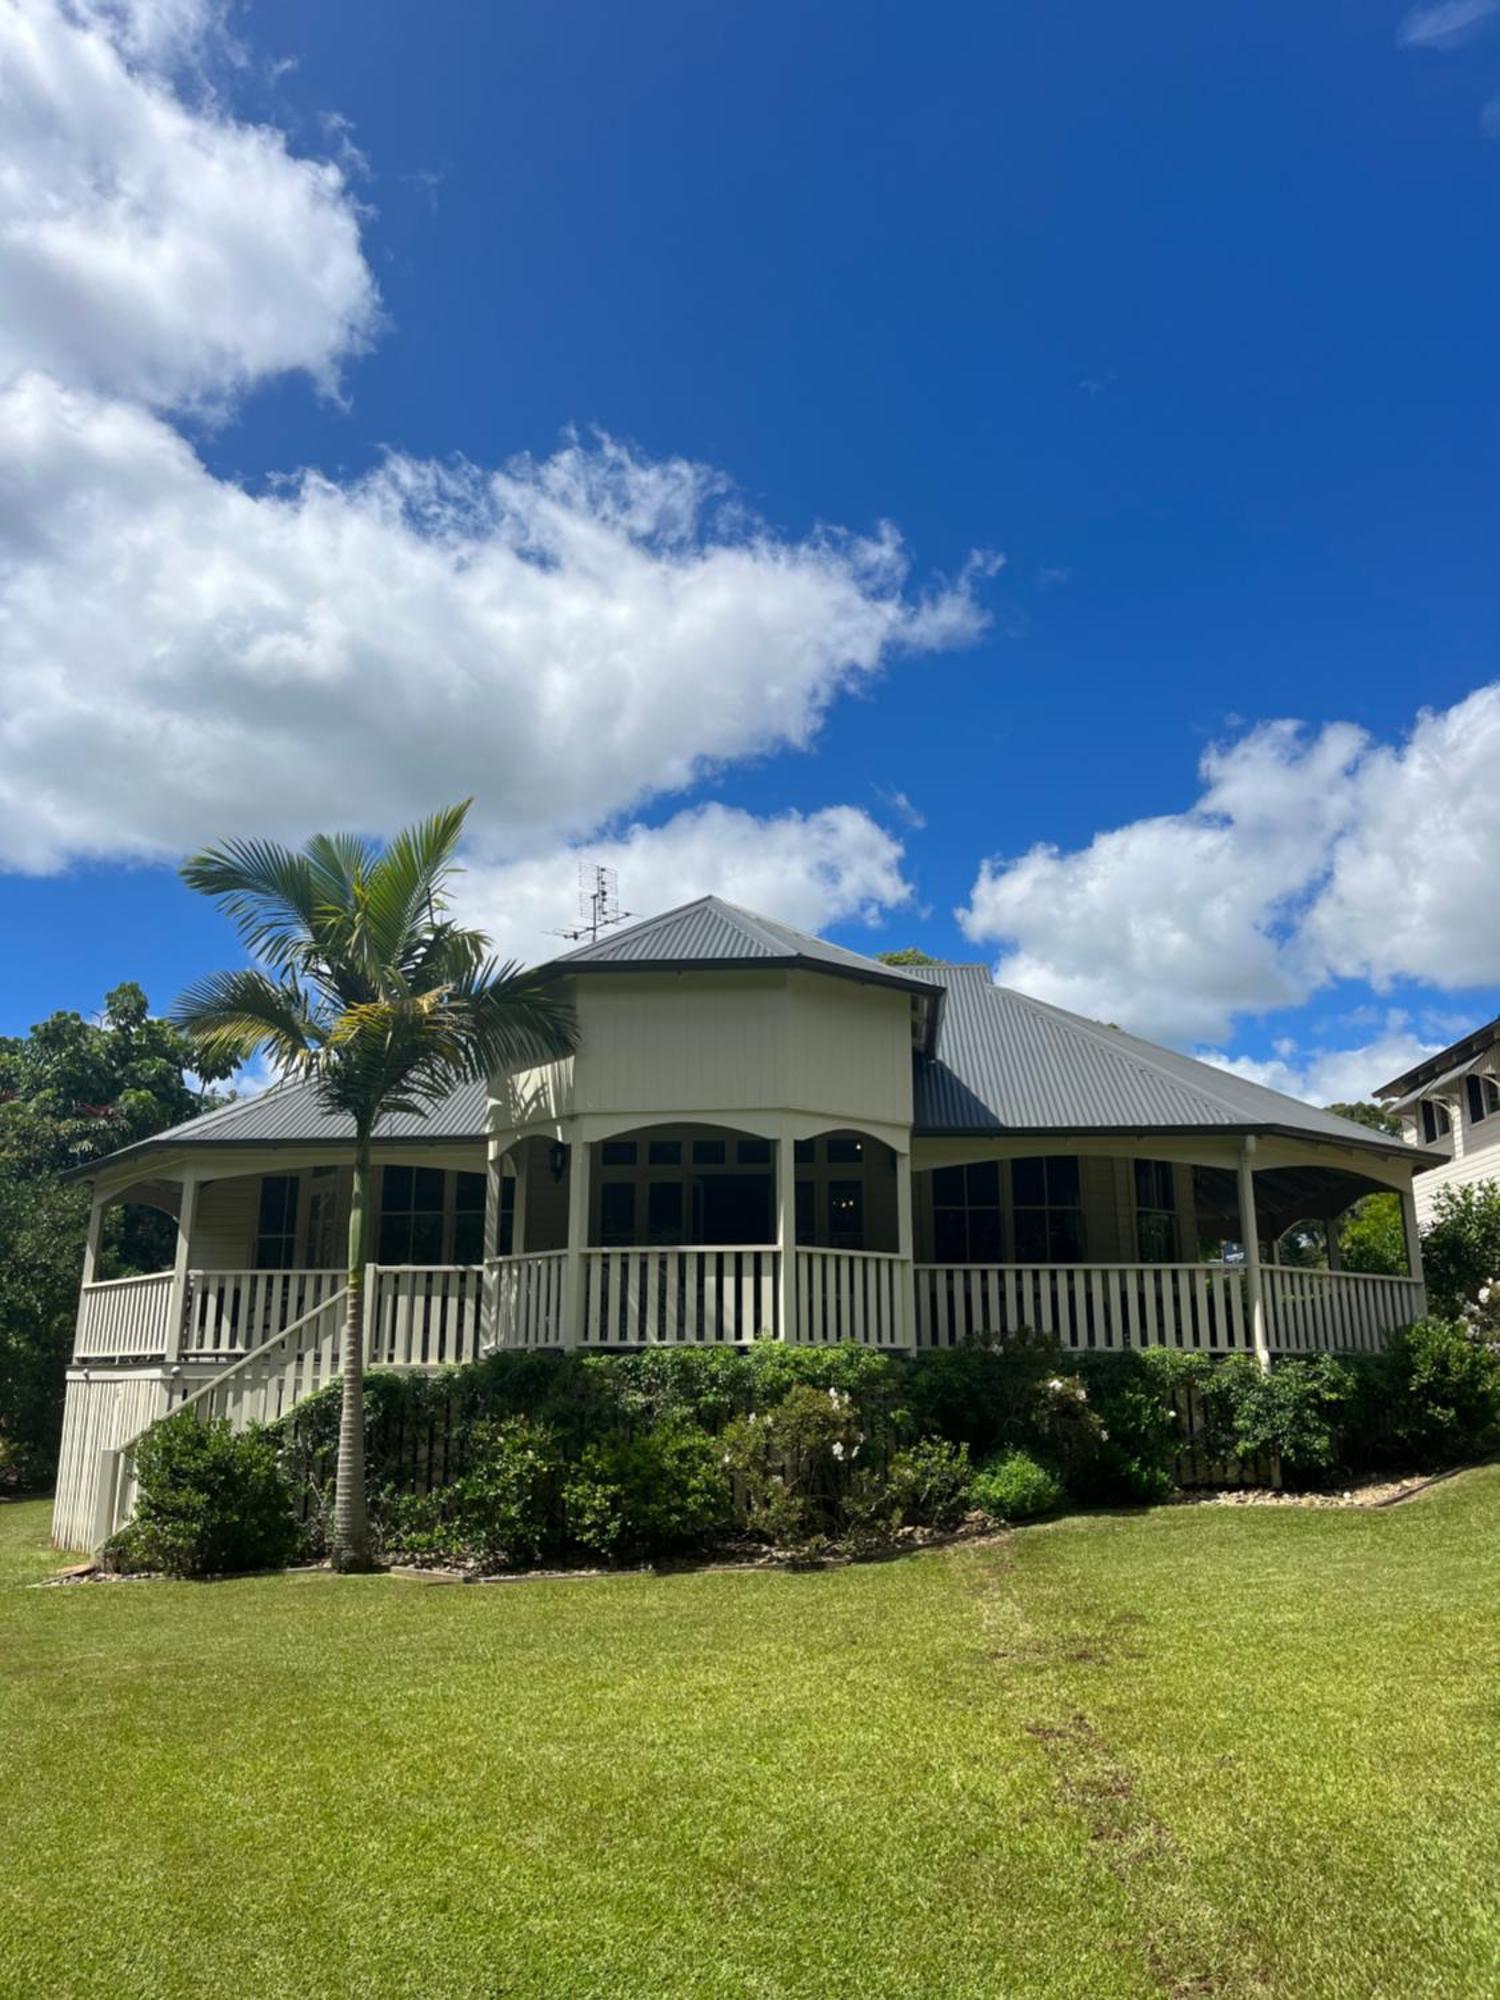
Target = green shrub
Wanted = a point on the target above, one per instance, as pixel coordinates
(1444, 1393)
(656, 1494)
(502, 1512)
(210, 1501)
(1014, 1487)
(1461, 1251)
(926, 1484)
(1294, 1410)
(1141, 1435)
(792, 1465)
(1024, 1392)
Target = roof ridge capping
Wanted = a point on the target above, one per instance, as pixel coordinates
(710, 931)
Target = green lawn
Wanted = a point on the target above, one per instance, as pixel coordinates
(1195, 1752)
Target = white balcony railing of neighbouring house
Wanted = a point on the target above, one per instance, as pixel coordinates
(123, 1319)
(850, 1295)
(709, 1295)
(1200, 1306)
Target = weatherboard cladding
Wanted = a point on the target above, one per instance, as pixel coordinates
(1003, 1063)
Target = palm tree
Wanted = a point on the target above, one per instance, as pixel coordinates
(369, 991)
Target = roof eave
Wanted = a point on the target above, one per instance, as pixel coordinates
(1389, 1148)
(165, 1143)
(1456, 1056)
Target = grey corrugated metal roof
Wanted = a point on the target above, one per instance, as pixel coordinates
(1003, 1063)
(1007, 1063)
(712, 932)
(290, 1114)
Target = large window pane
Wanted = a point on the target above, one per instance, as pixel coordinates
(986, 1239)
(950, 1236)
(617, 1212)
(1031, 1236)
(276, 1227)
(664, 1212)
(846, 1215)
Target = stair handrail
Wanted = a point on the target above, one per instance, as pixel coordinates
(118, 1458)
(255, 1353)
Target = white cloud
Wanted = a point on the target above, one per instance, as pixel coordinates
(1172, 925)
(810, 870)
(562, 639)
(1412, 882)
(1307, 858)
(182, 659)
(1328, 1075)
(150, 249)
(1445, 23)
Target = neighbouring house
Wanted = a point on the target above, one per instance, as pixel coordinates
(761, 1135)
(1449, 1106)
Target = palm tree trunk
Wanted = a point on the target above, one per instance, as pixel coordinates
(351, 1527)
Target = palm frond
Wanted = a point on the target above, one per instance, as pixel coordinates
(267, 891)
(235, 1015)
(383, 1002)
(406, 888)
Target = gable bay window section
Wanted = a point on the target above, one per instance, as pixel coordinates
(1047, 1209)
(1484, 1097)
(1436, 1123)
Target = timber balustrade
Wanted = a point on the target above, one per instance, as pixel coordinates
(730, 1294)
(708, 1295)
(1200, 1306)
(123, 1319)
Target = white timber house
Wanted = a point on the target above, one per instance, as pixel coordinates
(1449, 1107)
(761, 1136)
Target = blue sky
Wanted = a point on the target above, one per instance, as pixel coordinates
(1190, 318)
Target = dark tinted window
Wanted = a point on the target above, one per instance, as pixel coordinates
(664, 1153)
(276, 1227)
(846, 1215)
(617, 1212)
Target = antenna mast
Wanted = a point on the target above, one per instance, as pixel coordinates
(598, 904)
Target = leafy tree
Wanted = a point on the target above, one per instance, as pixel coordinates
(1461, 1250)
(908, 956)
(1374, 1115)
(1372, 1234)
(71, 1091)
(376, 997)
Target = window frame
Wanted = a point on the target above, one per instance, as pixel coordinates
(289, 1234)
(1155, 1210)
(1058, 1217)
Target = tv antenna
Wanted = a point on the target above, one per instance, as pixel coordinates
(598, 904)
